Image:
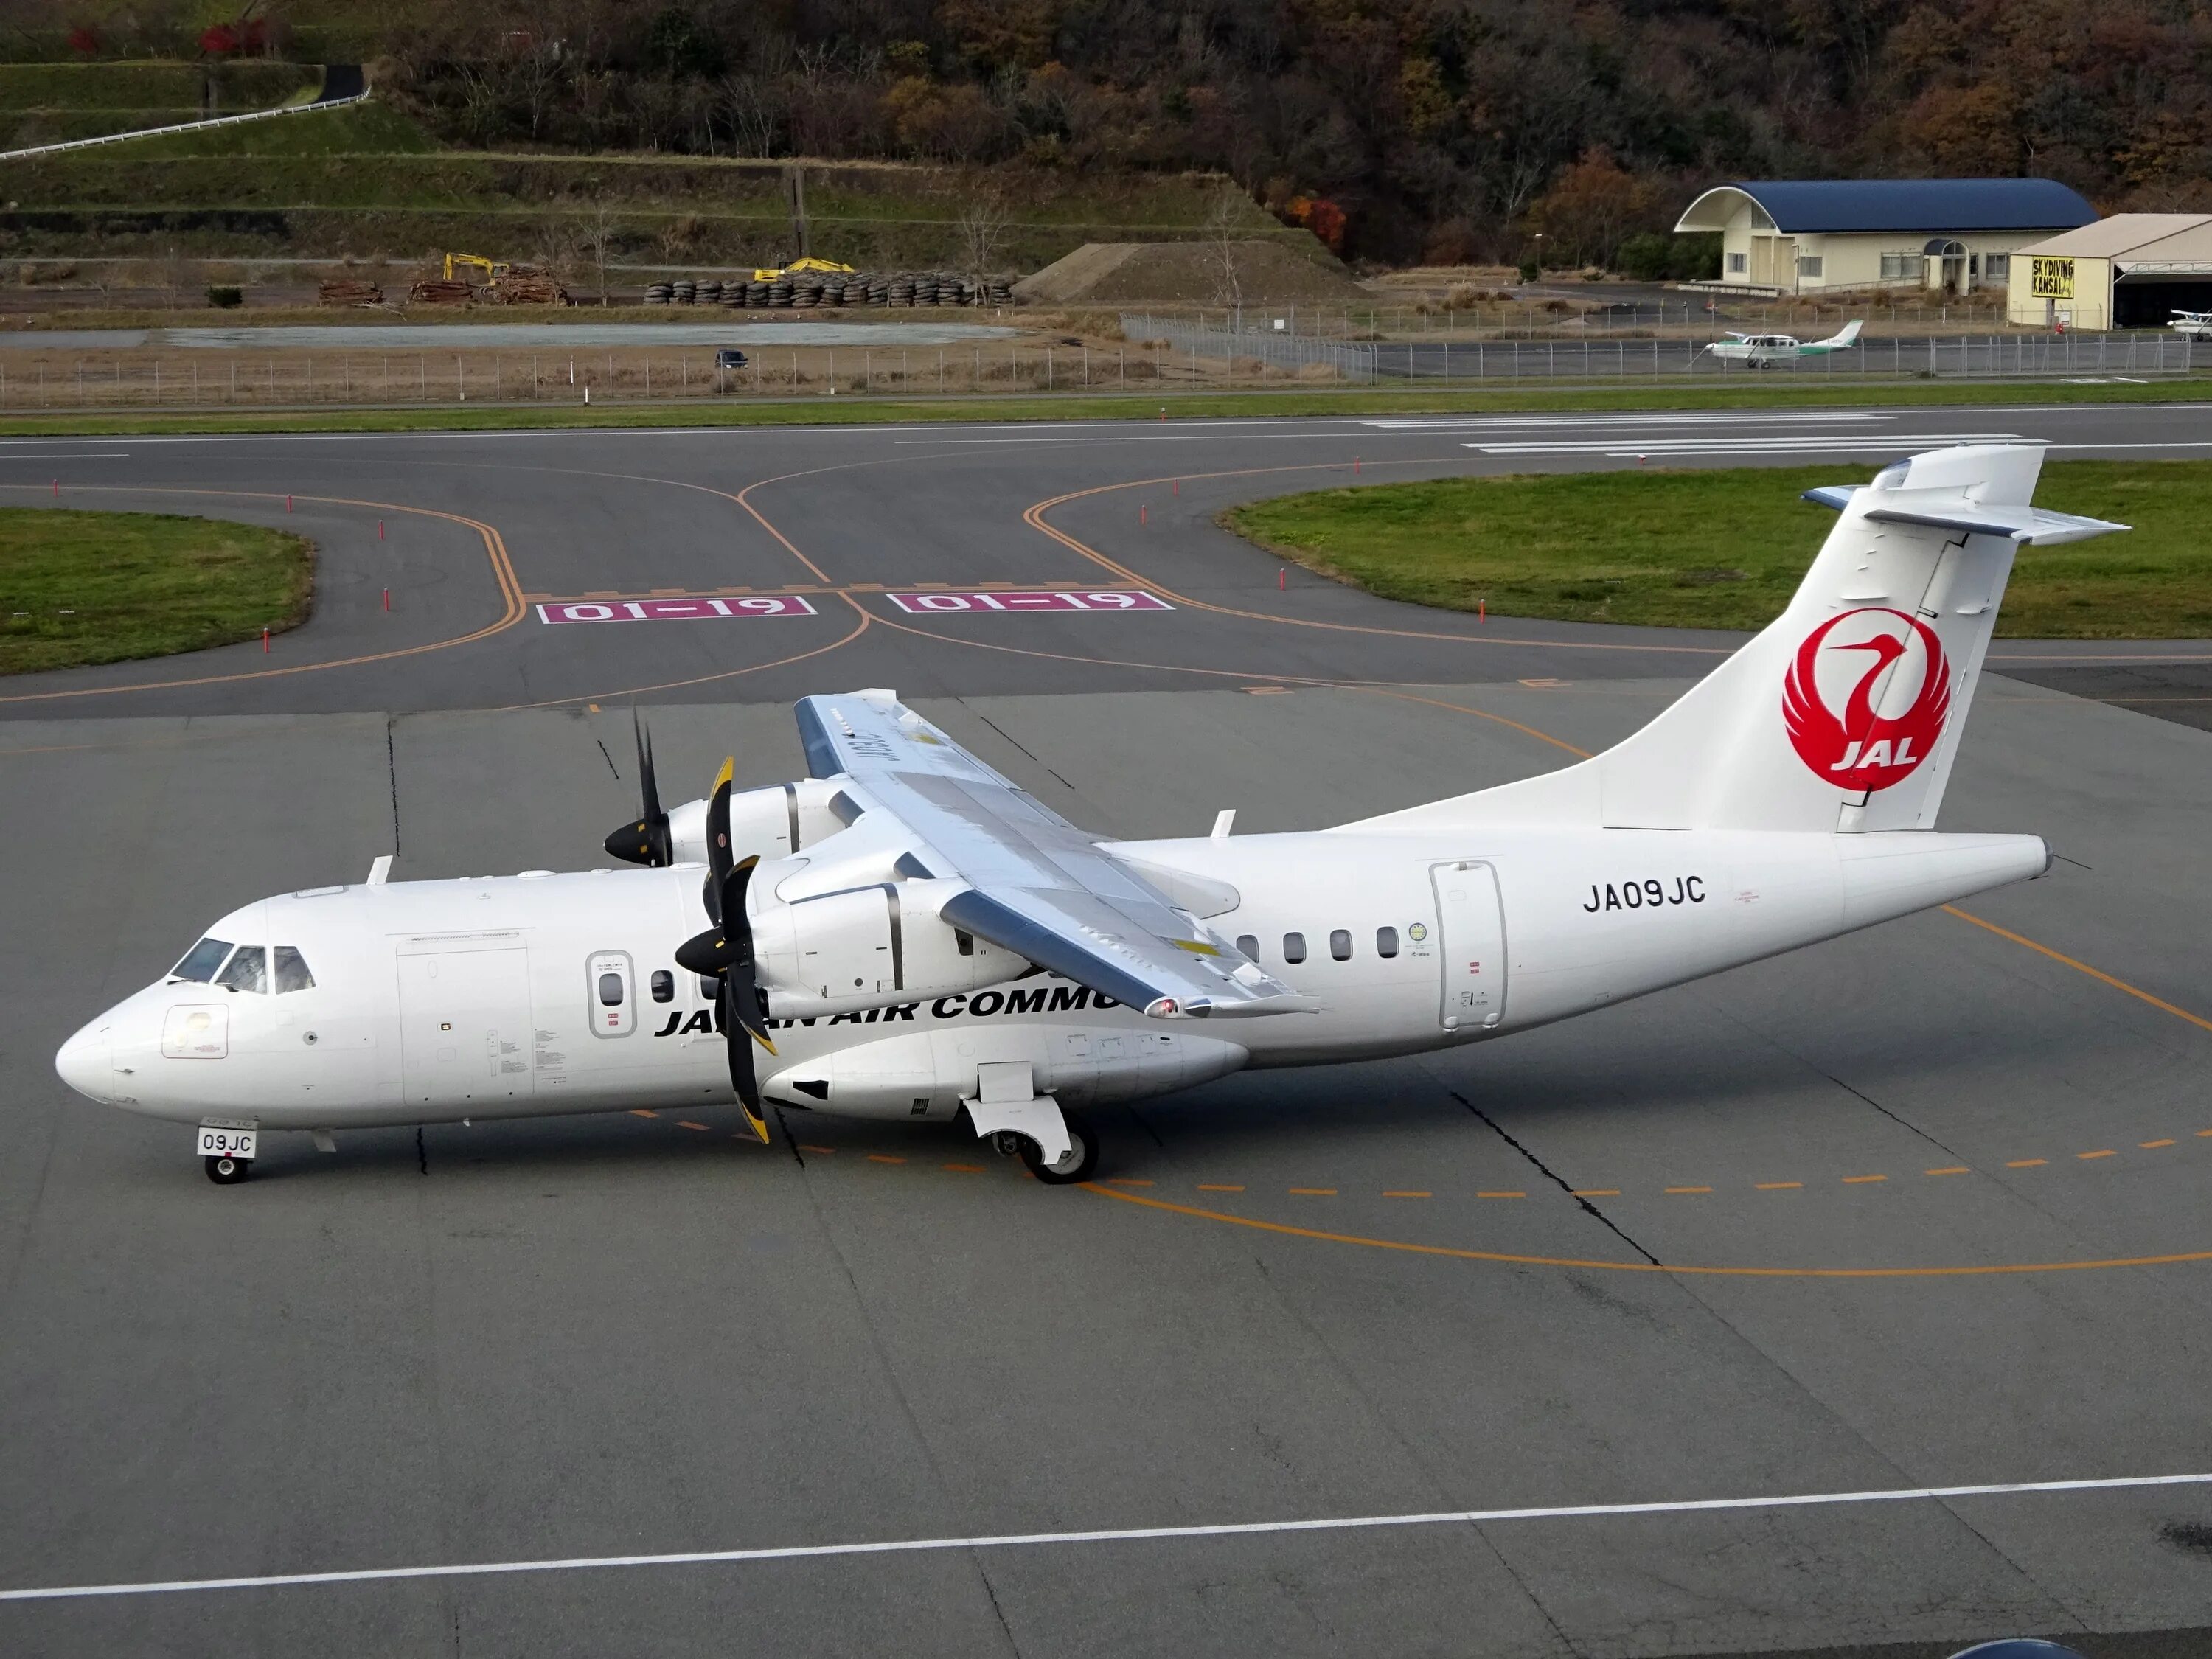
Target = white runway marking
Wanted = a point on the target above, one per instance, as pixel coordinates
(70, 455)
(1823, 443)
(1678, 418)
(1115, 1535)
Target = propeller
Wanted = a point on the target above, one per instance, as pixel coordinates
(647, 841)
(724, 953)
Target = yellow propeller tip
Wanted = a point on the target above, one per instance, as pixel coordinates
(728, 774)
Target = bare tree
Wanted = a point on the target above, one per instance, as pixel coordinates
(598, 235)
(983, 224)
(1223, 223)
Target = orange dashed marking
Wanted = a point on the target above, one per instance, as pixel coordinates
(640, 1111)
(2153, 1145)
(1689, 1190)
(2202, 1134)
(1594, 1192)
(1949, 1168)
(686, 1123)
(826, 1152)
(1408, 1195)
(1215, 1186)
(1313, 1192)
(1126, 1181)
(2027, 1163)
(884, 1157)
(965, 1169)
(1501, 1195)
(2103, 1152)
(1778, 1186)
(1860, 1181)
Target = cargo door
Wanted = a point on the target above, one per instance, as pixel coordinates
(465, 1024)
(1473, 948)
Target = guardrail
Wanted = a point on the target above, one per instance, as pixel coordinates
(185, 126)
(1290, 354)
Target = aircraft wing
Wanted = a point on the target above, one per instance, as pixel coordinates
(1038, 885)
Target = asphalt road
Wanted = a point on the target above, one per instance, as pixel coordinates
(614, 1337)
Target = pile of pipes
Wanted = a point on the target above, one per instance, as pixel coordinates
(806, 290)
(346, 292)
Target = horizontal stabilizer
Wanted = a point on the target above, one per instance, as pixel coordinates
(1955, 513)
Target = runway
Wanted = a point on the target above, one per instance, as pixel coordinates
(1679, 1328)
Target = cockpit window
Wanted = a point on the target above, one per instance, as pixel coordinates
(202, 960)
(292, 973)
(246, 971)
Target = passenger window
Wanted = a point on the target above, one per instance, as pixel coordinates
(1294, 947)
(1340, 946)
(1386, 941)
(1250, 945)
(246, 971)
(202, 960)
(663, 986)
(610, 990)
(292, 973)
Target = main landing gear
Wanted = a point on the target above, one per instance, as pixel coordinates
(1021, 1123)
(1077, 1163)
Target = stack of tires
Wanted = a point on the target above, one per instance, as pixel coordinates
(807, 291)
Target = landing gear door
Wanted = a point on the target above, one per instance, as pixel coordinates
(1472, 949)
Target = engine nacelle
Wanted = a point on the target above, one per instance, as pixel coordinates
(869, 947)
(770, 823)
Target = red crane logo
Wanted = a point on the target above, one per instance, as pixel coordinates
(1860, 748)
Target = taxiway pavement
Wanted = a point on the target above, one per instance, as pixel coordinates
(1929, 1202)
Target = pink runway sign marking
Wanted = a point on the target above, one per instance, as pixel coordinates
(1059, 600)
(693, 610)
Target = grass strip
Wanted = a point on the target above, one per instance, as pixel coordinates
(1726, 549)
(92, 588)
(861, 410)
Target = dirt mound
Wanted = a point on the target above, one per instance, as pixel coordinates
(1189, 273)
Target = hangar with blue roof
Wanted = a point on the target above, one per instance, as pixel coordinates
(1942, 236)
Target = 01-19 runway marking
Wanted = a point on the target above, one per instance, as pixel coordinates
(702, 609)
(953, 604)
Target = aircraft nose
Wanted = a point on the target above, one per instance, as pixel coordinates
(85, 1063)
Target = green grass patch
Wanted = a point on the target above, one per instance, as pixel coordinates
(1728, 549)
(92, 588)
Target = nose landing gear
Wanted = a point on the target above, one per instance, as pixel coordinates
(228, 1171)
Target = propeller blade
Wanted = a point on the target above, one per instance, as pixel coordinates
(718, 838)
(647, 841)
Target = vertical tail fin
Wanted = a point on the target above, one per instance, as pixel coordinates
(1844, 713)
(1848, 336)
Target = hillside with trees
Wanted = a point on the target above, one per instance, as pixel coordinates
(1445, 130)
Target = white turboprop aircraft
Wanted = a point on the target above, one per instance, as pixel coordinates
(904, 935)
(1764, 350)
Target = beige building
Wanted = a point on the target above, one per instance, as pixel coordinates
(2131, 271)
(1941, 235)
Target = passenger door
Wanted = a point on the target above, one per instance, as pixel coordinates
(464, 1022)
(1474, 947)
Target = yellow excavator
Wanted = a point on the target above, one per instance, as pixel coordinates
(823, 267)
(493, 270)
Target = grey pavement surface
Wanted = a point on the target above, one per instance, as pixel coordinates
(609, 1335)
(509, 337)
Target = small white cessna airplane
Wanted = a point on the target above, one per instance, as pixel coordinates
(2192, 325)
(1764, 350)
(905, 934)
